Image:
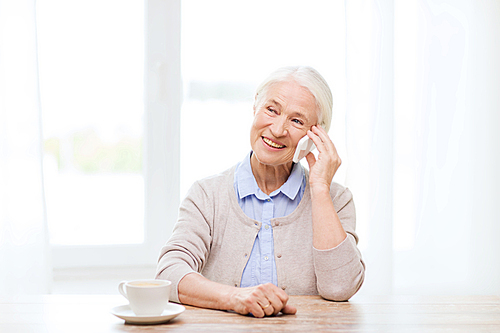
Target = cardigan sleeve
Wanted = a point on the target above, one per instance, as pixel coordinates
(340, 271)
(188, 248)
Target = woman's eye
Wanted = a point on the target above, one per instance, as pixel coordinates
(271, 110)
(298, 121)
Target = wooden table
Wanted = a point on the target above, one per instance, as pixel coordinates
(91, 313)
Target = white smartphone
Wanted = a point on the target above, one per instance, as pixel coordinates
(304, 146)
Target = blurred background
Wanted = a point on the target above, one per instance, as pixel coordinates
(111, 109)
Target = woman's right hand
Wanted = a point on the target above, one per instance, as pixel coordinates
(262, 300)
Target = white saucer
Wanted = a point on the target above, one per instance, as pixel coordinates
(125, 312)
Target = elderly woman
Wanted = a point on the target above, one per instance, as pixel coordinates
(267, 227)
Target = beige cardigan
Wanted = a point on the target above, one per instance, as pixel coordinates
(214, 237)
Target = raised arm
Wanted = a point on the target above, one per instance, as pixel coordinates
(338, 264)
(327, 229)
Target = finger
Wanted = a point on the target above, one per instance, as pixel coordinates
(276, 305)
(325, 138)
(268, 309)
(258, 303)
(328, 146)
(317, 140)
(274, 291)
(257, 310)
(276, 297)
(289, 309)
(320, 131)
(311, 160)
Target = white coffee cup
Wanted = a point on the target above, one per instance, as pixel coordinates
(146, 297)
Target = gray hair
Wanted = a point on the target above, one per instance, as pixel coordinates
(308, 78)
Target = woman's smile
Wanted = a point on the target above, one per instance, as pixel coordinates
(272, 143)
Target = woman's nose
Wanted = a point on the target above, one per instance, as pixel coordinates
(279, 127)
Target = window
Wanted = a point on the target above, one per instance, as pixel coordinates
(100, 121)
(91, 78)
(132, 140)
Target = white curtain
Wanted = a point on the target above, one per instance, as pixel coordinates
(423, 143)
(24, 261)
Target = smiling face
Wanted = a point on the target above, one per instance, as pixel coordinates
(281, 118)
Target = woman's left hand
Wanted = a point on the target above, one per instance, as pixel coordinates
(322, 169)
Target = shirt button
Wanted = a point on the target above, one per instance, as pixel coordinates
(268, 200)
(256, 223)
(267, 227)
(283, 287)
(236, 285)
(279, 255)
(246, 255)
(266, 258)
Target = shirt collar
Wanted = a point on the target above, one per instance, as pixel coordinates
(247, 185)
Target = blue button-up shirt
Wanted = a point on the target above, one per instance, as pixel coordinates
(261, 266)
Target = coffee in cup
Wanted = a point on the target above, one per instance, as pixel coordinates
(146, 297)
